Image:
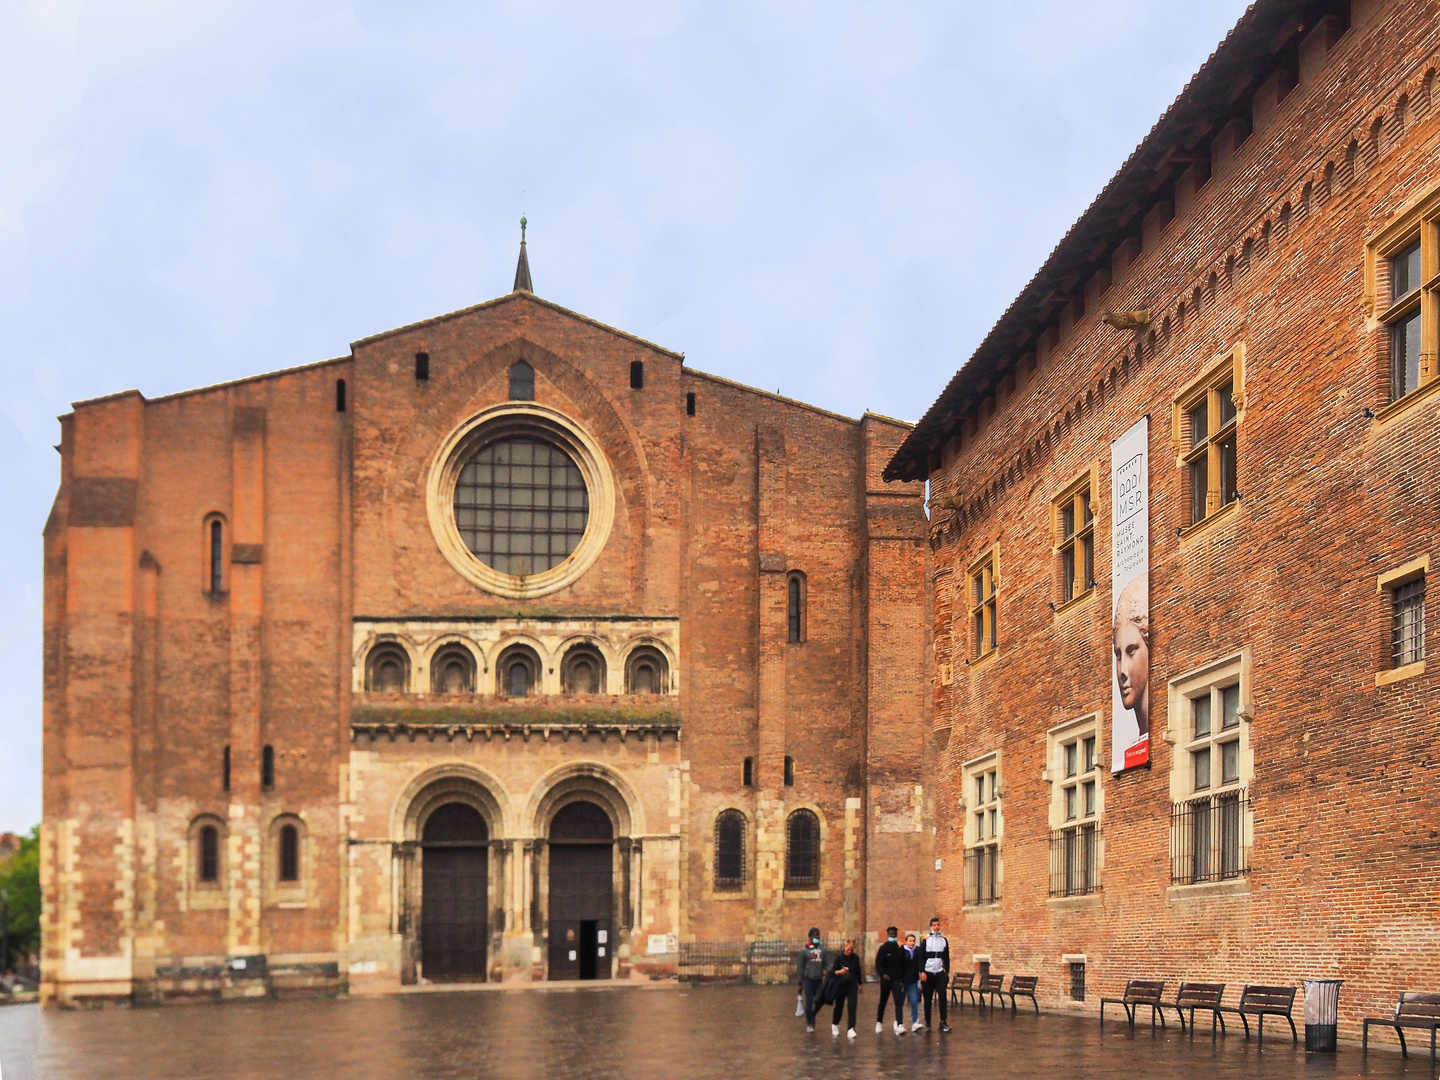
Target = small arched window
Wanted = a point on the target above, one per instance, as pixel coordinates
(517, 672)
(452, 671)
(217, 557)
(583, 671)
(729, 851)
(802, 850)
(208, 871)
(289, 869)
(795, 607)
(647, 672)
(225, 770)
(387, 669)
(267, 768)
(522, 381)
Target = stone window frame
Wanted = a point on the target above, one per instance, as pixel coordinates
(648, 650)
(583, 649)
(1074, 733)
(746, 891)
(991, 805)
(1226, 368)
(1420, 221)
(982, 600)
(287, 894)
(1386, 586)
(1232, 669)
(529, 654)
(207, 895)
(376, 650)
(802, 892)
(527, 418)
(445, 647)
(1073, 499)
(1059, 740)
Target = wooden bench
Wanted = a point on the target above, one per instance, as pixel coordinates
(1023, 986)
(1263, 1001)
(1207, 997)
(990, 986)
(1138, 993)
(1411, 1011)
(960, 986)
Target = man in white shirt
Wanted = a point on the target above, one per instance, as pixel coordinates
(935, 971)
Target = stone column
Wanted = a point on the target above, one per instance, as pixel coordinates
(771, 565)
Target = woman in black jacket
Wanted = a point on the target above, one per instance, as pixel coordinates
(846, 970)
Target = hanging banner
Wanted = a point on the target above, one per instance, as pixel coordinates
(1130, 597)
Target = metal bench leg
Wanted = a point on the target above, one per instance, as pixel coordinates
(1130, 1011)
(1294, 1036)
(1036, 1004)
(1221, 1017)
(1261, 1037)
(1404, 1049)
(1364, 1038)
(1244, 1021)
(1157, 1012)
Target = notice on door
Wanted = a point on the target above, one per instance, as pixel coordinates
(656, 944)
(1130, 597)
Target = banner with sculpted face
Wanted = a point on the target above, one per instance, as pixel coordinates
(1130, 597)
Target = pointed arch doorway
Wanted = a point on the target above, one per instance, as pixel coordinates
(582, 892)
(454, 894)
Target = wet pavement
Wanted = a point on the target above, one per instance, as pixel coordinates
(639, 1034)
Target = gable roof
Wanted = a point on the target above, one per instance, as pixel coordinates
(511, 298)
(1265, 39)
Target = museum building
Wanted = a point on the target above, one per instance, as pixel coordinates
(1185, 502)
(505, 647)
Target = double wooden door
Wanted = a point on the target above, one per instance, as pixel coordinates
(582, 906)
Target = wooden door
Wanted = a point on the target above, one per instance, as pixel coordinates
(454, 896)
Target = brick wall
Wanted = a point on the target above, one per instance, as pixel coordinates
(1342, 878)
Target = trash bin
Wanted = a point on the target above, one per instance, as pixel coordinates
(1322, 1014)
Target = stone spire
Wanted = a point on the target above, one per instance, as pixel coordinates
(522, 268)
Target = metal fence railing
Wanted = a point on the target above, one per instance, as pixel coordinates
(1207, 838)
(744, 961)
(1075, 860)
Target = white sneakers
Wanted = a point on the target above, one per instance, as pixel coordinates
(916, 1026)
(879, 1026)
(850, 1034)
(835, 1030)
(899, 1028)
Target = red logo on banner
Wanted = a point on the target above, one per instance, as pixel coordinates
(1139, 754)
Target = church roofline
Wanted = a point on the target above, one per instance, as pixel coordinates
(507, 298)
(792, 401)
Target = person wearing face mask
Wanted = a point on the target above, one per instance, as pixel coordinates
(811, 963)
(912, 980)
(890, 967)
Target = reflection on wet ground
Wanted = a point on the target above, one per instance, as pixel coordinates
(692, 1034)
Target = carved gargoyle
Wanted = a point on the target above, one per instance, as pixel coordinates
(1128, 320)
(947, 502)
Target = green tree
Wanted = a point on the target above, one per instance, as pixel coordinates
(20, 878)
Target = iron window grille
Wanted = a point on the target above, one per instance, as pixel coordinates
(802, 851)
(730, 851)
(521, 506)
(1075, 861)
(1407, 636)
(1207, 838)
(982, 876)
(1077, 980)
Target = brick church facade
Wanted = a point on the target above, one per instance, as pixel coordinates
(505, 647)
(1185, 505)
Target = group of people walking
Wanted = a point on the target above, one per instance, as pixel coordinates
(907, 971)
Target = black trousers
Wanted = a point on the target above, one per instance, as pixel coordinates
(891, 989)
(848, 994)
(935, 986)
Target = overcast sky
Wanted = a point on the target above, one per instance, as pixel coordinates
(835, 200)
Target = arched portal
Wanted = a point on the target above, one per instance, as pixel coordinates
(454, 894)
(582, 930)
